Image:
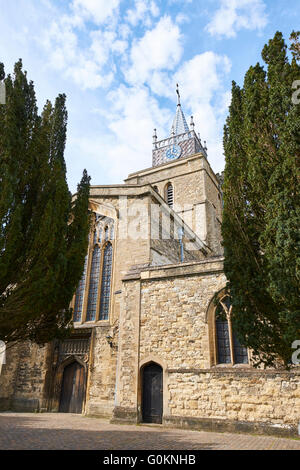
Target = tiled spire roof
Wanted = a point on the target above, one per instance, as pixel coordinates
(179, 125)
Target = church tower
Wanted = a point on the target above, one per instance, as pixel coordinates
(182, 141)
(182, 176)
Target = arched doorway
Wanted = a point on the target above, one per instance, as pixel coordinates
(152, 393)
(72, 388)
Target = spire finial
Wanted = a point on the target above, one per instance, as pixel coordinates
(177, 91)
(192, 124)
(154, 137)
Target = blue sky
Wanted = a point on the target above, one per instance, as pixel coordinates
(118, 61)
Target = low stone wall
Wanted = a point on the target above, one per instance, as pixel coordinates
(240, 400)
(22, 378)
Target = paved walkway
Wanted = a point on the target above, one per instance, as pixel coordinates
(75, 432)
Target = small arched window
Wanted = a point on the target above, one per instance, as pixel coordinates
(106, 282)
(228, 348)
(169, 195)
(93, 287)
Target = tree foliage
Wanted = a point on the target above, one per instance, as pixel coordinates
(43, 235)
(261, 207)
(295, 46)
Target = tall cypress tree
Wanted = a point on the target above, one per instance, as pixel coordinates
(261, 207)
(43, 234)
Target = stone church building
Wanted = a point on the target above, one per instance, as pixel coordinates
(153, 340)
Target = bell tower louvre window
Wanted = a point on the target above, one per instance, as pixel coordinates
(169, 196)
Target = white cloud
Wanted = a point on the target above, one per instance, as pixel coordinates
(201, 77)
(142, 11)
(203, 94)
(98, 11)
(90, 55)
(104, 43)
(160, 48)
(182, 18)
(132, 116)
(89, 65)
(234, 15)
(134, 112)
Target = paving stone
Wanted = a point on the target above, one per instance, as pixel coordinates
(49, 431)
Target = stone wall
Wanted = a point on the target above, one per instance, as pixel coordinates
(22, 380)
(164, 238)
(166, 321)
(102, 372)
(254, 400)
(197, 197)
(8, 377)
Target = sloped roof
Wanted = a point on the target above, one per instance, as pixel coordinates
(179, 125)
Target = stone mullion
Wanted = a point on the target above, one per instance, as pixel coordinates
(228, 314)
(72, 304)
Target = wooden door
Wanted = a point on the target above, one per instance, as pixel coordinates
(73, 389)
(152, 394)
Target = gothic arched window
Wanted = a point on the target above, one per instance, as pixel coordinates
(92, 297)
(93, 285)
(79, 297)
(222, 336)
(169, 194)
(228, 348)
(106, 282)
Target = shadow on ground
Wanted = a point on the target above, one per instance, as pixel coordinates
(28, 433)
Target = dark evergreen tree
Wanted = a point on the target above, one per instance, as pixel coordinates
(295, 46)
(43, 234)
(261, 207)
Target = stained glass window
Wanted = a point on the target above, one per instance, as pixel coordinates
(93, 287)
(106, 282)
(112, 232)
(100, 236)
(223, 340)
(80, 294)
(240, 353)
(95, 237)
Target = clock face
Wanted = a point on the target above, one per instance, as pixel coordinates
(174, 151)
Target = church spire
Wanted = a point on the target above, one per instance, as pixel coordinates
(179, 125)
(181, 142)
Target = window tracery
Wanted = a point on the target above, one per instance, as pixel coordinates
(92, 297)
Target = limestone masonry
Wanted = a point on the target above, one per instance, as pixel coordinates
(153, 340)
